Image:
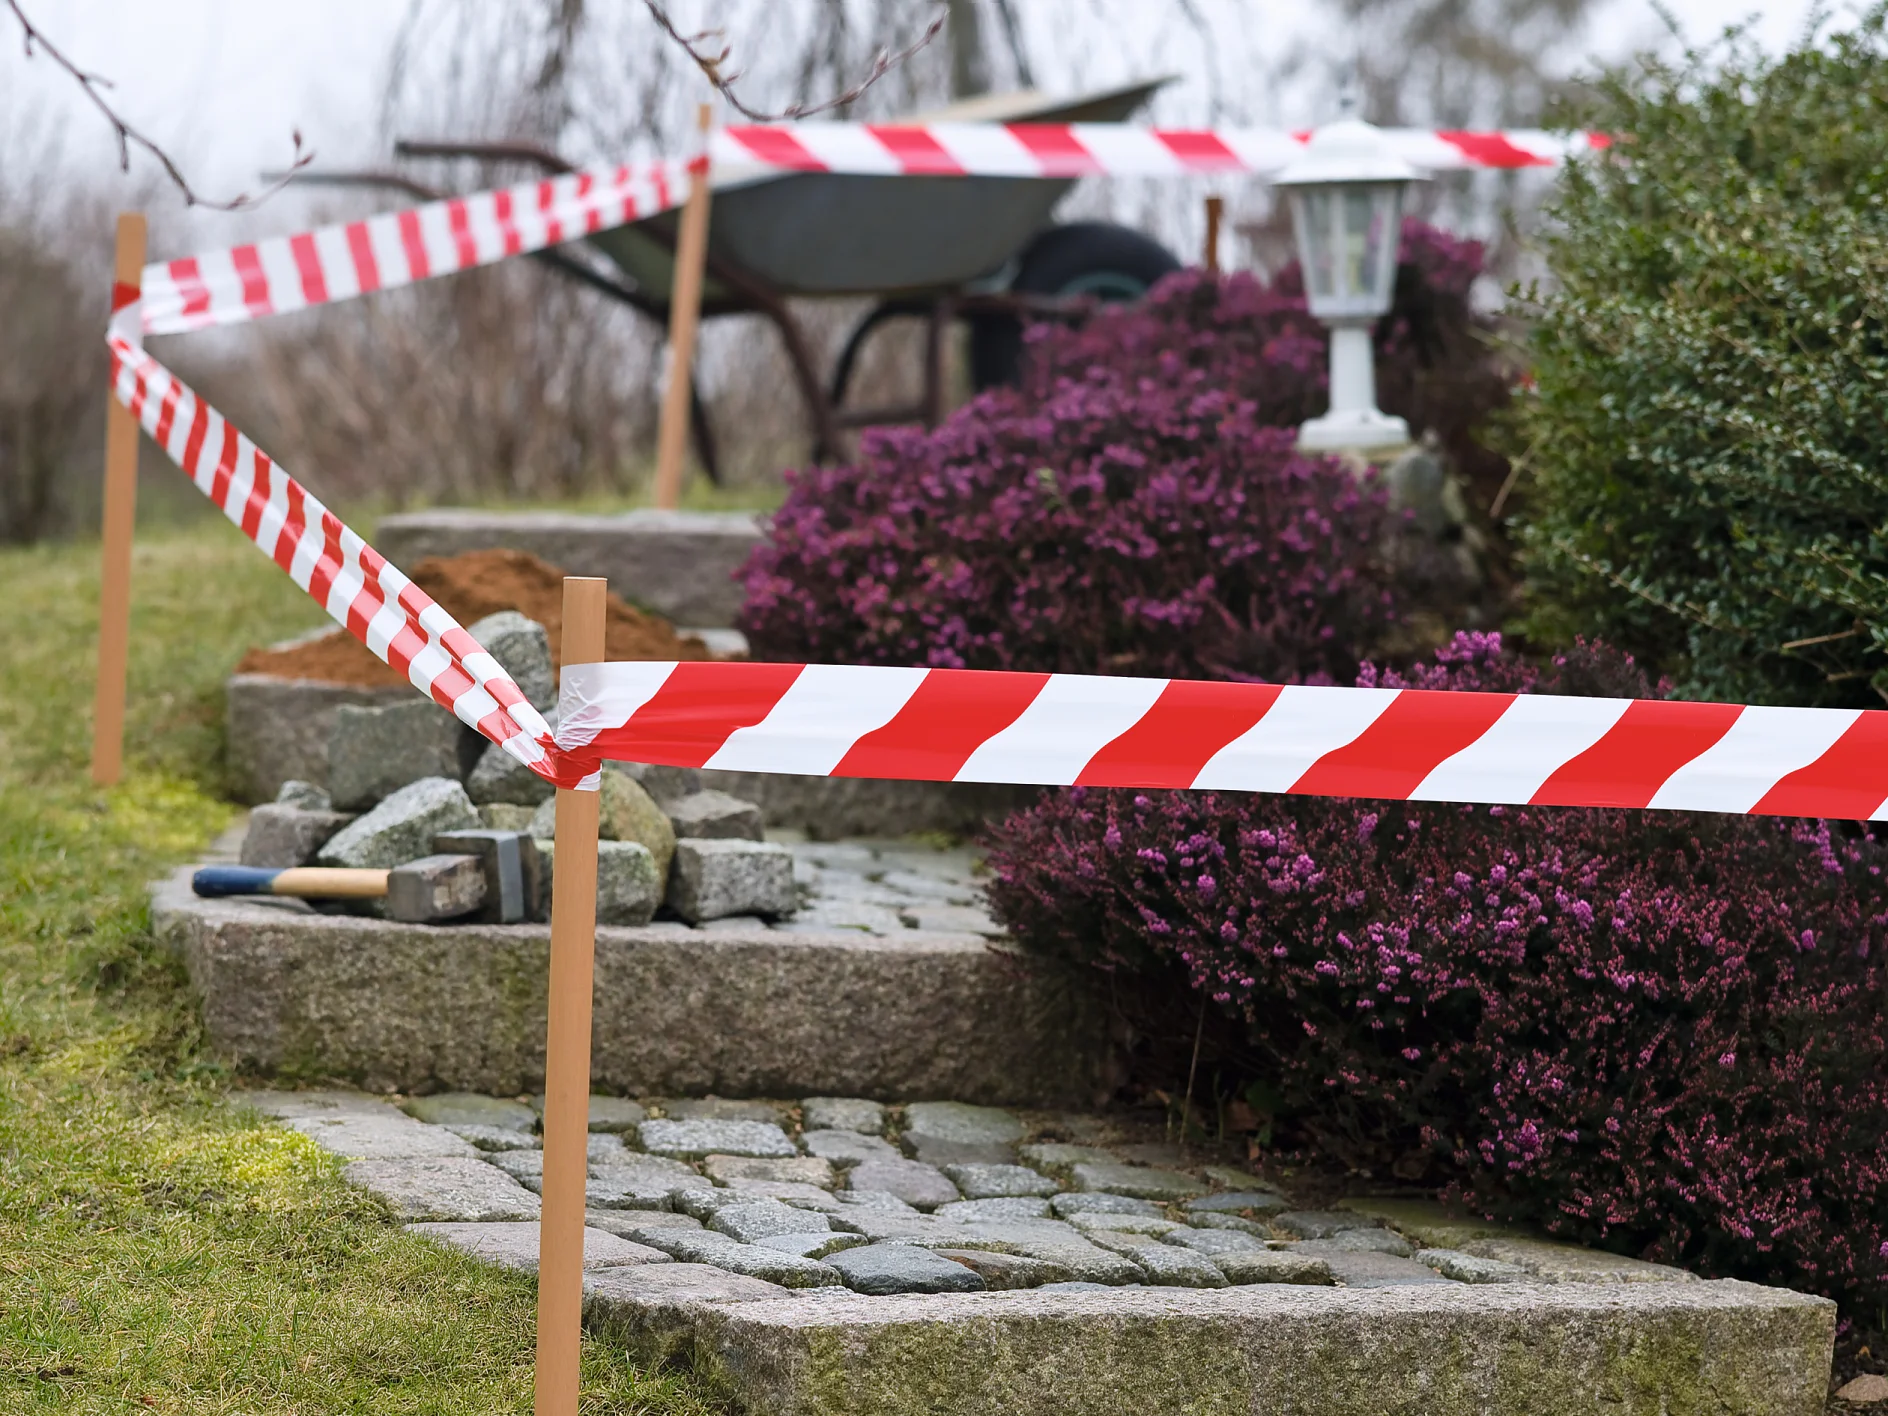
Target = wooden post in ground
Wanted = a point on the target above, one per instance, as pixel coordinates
(120, 515)
(1215, 209)
(567, 1048)
(691, 253)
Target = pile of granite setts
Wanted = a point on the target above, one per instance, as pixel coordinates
(403, 776)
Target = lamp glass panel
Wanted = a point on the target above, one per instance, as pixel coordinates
(1316, 212)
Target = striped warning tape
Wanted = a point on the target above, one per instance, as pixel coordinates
(958, 725)
(1103, 149)
(287, 273)
(354, 583)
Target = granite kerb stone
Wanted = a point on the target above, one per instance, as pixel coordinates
(1725, 1347)
(414, 1008)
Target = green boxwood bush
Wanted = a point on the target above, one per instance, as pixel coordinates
(1707, 447)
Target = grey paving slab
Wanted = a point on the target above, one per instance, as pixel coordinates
(750, 1260)
(515, 1245)
(1076, 1202)
(1143, 1182)
(1320, 1224)
(943, 1132)
(1252, 1202)
(1466, 1268)
(496, 1138)
(1363, 1269)
(748, 1223)
(797, 1170)
(984, 1181)
(902, 1268)
(1106, 1222)
(844, 1148)
(920, 1185)
(842, 1113)
(1165, 1265)
(1002, 1272)
(812, 1245)
(720, 1108)
(696, 1139)
(371, 1136)
(444, 1189)
(1002, 1208)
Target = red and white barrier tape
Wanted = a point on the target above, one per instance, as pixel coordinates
(285, 273)
(360, 590)
(957, 725)
(1103, 149)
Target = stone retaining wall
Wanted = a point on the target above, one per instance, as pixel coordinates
(680, 564)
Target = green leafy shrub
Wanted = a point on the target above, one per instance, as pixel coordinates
(1708, 441)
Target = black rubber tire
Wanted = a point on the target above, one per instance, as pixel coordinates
(1112, 263)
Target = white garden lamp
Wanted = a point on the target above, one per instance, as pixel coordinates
(1347, 205)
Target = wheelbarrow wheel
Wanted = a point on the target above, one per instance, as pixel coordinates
(1097, 258)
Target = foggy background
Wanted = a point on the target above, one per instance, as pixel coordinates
(508, 384)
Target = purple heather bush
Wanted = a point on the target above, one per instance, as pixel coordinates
(1658, 1032)
(1107, 525)
(1136, 506)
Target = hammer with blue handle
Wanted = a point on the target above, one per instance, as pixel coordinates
(491, 876)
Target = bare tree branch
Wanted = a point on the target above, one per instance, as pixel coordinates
(710, 63)
(128, 137)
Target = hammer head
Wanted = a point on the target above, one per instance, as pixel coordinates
(511, 868)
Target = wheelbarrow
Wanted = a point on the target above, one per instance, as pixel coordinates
(983, 250)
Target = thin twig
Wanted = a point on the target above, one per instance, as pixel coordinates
(1186, 1106)
(128, 137)
(710, 64)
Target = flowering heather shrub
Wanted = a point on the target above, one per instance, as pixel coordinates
(1654, 1031)
(1435, 360)
(1105, 526)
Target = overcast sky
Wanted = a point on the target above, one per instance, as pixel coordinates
(223, 82)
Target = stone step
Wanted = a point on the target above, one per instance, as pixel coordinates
(736, 1008)
(1725, 1348)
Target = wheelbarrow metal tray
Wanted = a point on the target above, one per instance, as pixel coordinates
(830, 233)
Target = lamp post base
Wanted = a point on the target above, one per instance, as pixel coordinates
(1353, 429)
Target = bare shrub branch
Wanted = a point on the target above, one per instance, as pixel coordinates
(94, 85)
(711, 62)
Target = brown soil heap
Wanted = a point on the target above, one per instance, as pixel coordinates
(469, 587)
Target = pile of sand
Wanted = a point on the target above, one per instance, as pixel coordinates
(469, 587)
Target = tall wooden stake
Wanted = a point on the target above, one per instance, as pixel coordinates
(120, 515)
(691, 253)
(567, 1049)
(1215, 208)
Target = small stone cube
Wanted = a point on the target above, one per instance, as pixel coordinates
(715, 816)
(402, 827)
(714, 879)
(990, 1182)
(373, 752)
(694, 1139)
(523, 650)
(304, 795)
(284, 836)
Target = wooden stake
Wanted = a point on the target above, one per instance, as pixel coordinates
(1215, 208)
(691, 253)
(567, 1049)
(120, 515)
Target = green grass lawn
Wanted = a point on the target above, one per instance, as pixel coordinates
(160, 1250)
